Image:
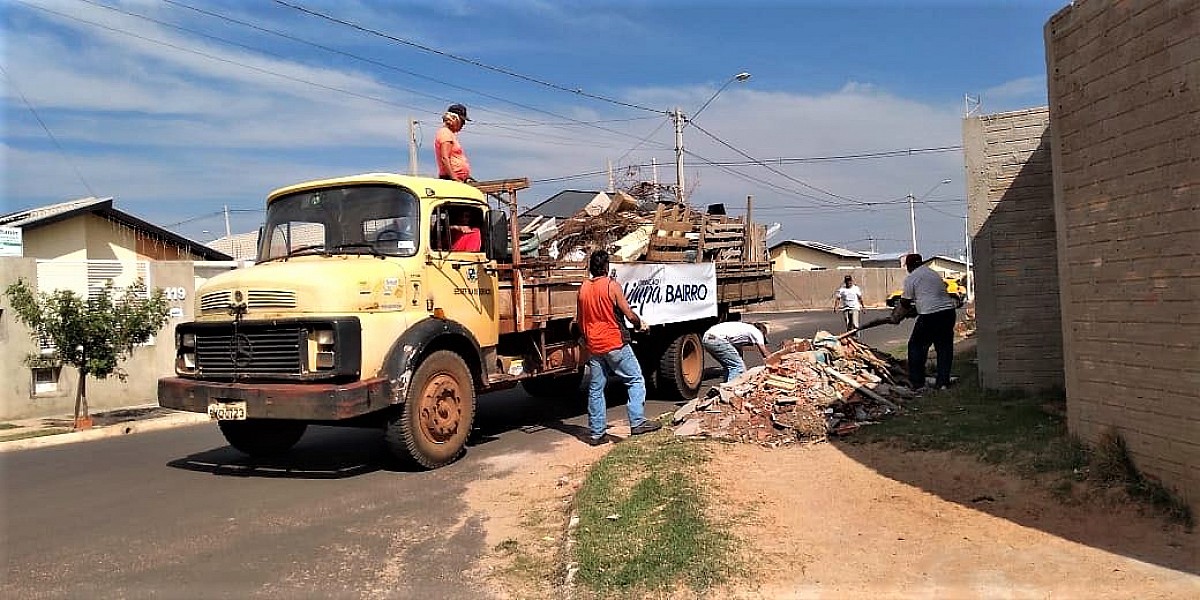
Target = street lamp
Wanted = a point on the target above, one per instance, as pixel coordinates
(680, 121)
(912, 211)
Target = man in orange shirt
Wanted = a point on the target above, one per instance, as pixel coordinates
(451, 160)
(601, 312)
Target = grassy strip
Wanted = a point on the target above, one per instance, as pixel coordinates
(643, 523)
(33, 433)
(9, 426)
(1025, 432)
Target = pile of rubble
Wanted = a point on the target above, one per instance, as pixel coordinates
(807, 391)
(633, 230)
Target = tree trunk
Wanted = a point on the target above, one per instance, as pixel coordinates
(82, 419)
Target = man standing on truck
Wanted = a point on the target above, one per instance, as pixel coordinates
(936, 311)
(724, 341)
(451, 160)
(601, 311)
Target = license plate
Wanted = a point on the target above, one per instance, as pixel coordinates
(227, 411)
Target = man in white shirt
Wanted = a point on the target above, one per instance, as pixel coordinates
(725, 340)
(936, 312)
(849, 297)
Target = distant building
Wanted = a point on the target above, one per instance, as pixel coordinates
(91, 229)
(82, 246)
(804, 255)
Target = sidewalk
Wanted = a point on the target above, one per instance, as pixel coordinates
(52, 431)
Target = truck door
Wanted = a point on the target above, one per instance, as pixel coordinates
(461, 279)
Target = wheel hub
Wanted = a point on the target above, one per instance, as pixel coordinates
(441, 408)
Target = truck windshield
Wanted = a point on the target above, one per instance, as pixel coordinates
(360, 219)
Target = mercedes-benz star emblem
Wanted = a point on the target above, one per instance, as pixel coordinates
(241, 350)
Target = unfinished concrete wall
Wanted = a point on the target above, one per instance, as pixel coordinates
(1010, 216)
(807, 290)
(1125, 103)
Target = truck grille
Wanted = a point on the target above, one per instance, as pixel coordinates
(216, 301)
(254, 352)
(220, 301)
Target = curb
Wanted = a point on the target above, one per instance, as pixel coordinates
(107, 431)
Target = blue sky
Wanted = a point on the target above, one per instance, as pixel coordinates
(178, 108)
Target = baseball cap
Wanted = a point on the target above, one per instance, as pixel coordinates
(459, 110)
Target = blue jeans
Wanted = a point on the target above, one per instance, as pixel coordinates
(726, 354)
(622, 364)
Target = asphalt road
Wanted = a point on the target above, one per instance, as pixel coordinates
(179, 514)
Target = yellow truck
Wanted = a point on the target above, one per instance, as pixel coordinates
(365, 307)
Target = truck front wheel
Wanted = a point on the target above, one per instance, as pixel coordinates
(682, 367)
(262, 437)
(432, 426)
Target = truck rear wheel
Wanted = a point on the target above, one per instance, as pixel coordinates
(432, 426)
(682, 367)
(564, 387)
(262, 437)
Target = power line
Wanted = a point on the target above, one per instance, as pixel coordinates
(50, 134)
(771, 169)
(251, 67)
(218, 58)
(469, 61)
(297, 39)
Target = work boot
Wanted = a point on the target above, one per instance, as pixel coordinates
(645, 427)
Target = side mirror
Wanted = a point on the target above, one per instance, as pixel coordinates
(498, 246)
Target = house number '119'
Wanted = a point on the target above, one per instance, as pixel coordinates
(175, 293)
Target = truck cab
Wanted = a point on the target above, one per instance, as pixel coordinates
(355, 278)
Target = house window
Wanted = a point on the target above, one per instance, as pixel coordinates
(45, 380)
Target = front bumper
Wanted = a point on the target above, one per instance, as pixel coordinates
(301, 401)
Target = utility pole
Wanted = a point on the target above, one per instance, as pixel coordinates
(677, 115)
(967, 252)
(912, 220)
(612, 186)
(228, 233)
(657, 191)
(412, 146)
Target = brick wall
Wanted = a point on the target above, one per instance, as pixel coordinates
(1124, 82)
(1010, 215)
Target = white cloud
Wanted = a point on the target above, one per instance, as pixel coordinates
(173, 134)
(1020, 88)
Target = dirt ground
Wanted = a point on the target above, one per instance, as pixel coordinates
(854, 521)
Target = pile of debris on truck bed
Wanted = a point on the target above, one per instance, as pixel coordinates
(806, 391)
(632, 231)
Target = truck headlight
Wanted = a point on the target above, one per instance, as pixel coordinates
(186, 340)
(185, 353)
(321, 349)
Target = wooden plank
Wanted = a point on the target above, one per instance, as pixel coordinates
(674, 242)
(674, 227)
(668, 255)
(720, 245)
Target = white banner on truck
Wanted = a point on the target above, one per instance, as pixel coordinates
(669, 293)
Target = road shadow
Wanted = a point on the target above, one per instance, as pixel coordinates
(1087, 513)
(1108, 524)
(323, 453)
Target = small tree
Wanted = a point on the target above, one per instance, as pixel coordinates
(93, 334)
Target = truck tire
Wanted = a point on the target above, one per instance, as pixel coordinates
(564, 387)
(262, 437)
(432, 426)
(681, 368)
